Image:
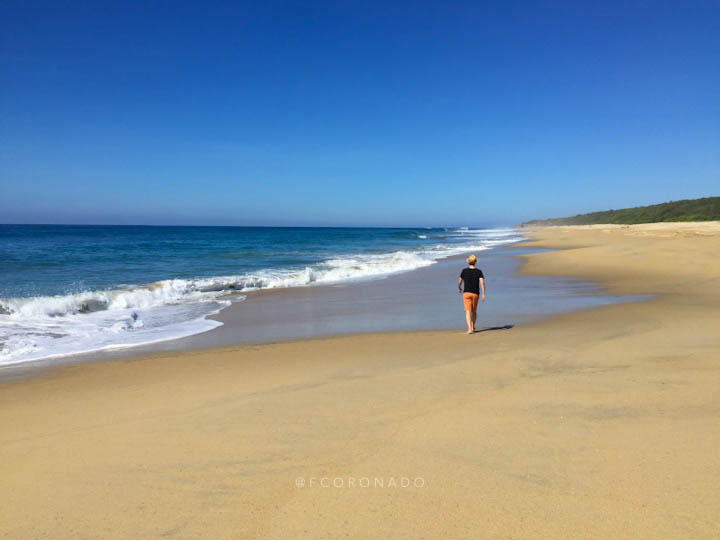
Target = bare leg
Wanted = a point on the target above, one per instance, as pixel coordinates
(470, 322)
(473, 318)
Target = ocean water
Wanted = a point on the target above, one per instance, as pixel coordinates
(73, 289)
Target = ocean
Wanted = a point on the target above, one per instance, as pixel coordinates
(73, 289)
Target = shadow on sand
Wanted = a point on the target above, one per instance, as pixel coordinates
(506, 327)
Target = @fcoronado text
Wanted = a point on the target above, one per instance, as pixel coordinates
(364, 482)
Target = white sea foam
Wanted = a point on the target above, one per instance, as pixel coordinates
(48, 326)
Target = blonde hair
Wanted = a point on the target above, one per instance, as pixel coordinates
(472, 259)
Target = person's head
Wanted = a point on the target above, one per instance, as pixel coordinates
(471, 260)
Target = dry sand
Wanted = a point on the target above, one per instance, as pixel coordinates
(598, 424)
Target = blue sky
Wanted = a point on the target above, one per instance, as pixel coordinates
(354, 113)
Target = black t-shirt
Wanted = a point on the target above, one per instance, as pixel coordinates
(471, 279)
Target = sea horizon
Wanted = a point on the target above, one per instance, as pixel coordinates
(474, 227)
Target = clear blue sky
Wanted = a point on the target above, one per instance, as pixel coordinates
(354, 113)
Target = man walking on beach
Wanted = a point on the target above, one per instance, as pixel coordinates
(474, 279)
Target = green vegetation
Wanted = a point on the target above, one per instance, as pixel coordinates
(706, 209)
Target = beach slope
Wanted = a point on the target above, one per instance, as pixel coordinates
(603, 423)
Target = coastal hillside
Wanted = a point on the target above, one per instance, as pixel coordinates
(705, 209)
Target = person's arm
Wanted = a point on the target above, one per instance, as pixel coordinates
(460, 285)
(482, 286)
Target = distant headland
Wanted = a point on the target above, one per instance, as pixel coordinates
(705, 209)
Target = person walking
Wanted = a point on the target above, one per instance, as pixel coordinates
(474, 281)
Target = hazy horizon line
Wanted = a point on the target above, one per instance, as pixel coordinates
(260, 226)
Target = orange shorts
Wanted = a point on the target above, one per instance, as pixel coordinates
(471, 301)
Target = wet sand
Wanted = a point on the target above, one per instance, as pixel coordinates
(424, 299)
(602, 423)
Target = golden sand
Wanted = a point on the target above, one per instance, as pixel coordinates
(598, 424)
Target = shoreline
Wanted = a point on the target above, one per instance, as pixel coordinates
(596, 424)
(263, 308)
(168, 295)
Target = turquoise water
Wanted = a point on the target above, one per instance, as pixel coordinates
(71, 289)
(41, 260)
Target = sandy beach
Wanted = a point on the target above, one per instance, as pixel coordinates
(603, 423)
